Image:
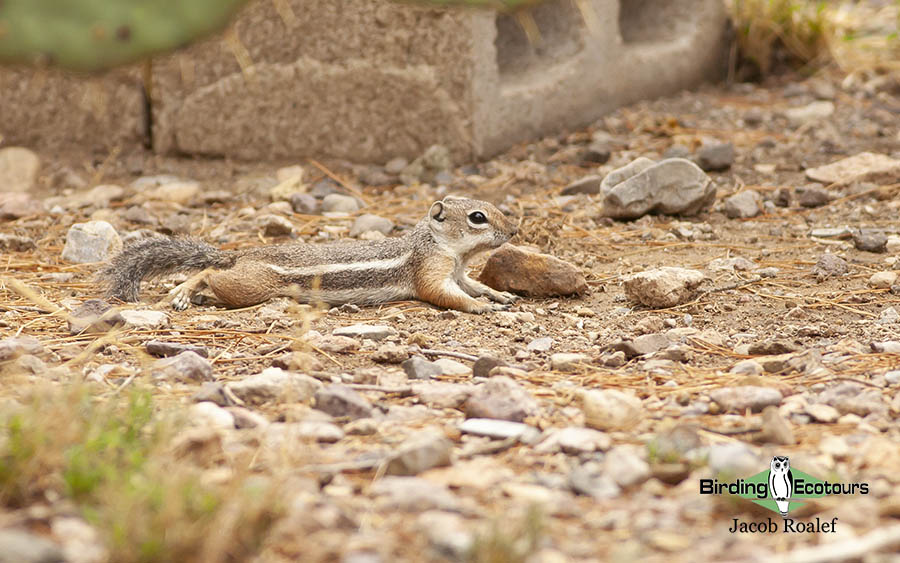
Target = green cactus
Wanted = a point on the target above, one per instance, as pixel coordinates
(95, 34)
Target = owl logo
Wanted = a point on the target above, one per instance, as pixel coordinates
(781, 483)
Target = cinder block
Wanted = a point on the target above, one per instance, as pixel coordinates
(368, 80)
(48, 109)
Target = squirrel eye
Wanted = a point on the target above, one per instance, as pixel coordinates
(477, 217)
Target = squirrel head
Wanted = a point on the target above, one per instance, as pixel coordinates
(469, 226)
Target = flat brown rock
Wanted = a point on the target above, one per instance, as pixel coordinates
(533, 274)
(862, 167)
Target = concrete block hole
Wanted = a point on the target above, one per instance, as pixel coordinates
(560, 27)
(654, 21)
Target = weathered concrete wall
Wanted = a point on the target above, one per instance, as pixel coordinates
(368, 80)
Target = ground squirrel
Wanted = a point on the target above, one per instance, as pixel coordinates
(427, 263)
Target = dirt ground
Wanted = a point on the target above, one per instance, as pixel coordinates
(826, 325)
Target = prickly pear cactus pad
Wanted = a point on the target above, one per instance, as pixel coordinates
(96, 34)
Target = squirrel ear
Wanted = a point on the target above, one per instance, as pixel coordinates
(437, 211)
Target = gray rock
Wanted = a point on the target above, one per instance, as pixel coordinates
(18, 169)
(372, 332)
(339, 203)
(500, 429)
(812, 112)
(374, 176)
(870, 241)
(716, 157)
(853, 398)
(743, 205)
(739, 399)
(502, 398)
(396, 165)
(419, 453)
(94, 241)
(673, 186)
(342, 401)
(590, 480)
(279, 436)
(418, 367)
(892, 377)
(274, 225)
(180, 192)
(390, 353)
(823, 413)
(664, 287)
(414, 494)
(883, 280)
(15, 205)
(369, 222)
(12, 348)
(274, 385)
(733, 459)
(21, 546)
(828, 265)
(626, 467)
(889, 316)
(186, 367)
(452, 367)
(442, 395)
(813, 195)
(610, 409)
(163, 349)
(15, 243)
(144, 320)
(643, 345)
(771, 347)
(447, 534)
(94, 316)
(862, 167)
(587, 185)
(568, 361)
(336, 344)
(747, 367)
(305, 204)
(542, 344)
(484, 364)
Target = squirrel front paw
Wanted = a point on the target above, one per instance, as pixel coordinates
(180, 298)
(506, 297)
(490, 308)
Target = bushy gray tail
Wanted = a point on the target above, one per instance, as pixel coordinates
(152, 257)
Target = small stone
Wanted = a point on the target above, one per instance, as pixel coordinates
(743, 205)
(832, 232)
(418, 367)
(643, 345)
(274, 385)
(574, 440)
(501, 398)
(835, 446)
(186, 367)
(869, 241)
(213, 392)
(15, 243)
(739, 399)
(12, 348)
(94, 241)
(675, 186)
(165, 349)
(483, 366)
(339, 203)
(452, 367)
(396, 165)
(588, 185)
(664, 287)
(21, 546)
(447, 534)
(372, 332)
(568, 362)
(443, 395)
(542, 344)
(368, 222)
(390, 353)
(610, 410)
(210, 414)
(515, 269)
(771, 347)
(853, 398)
(500, 429)
(828, 265)
(94, 316)
(180, 192)
(716, 157)
(335, 344)
(590, 480)
(893, 244)
(626, 467)
(18, 169)
(15, 205)
(293, 172)
(342, 401)
(304, 204)
(862, 167)
(420, 453)
(889, 315)
(775, 429)
(892, 377)
(886, 347)
(284, 436)
(597, 152)
(144, 320)
(823, 413)
(814, 111)
(246, 418)
(274, 225)
(813, 195)
(883, 280)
